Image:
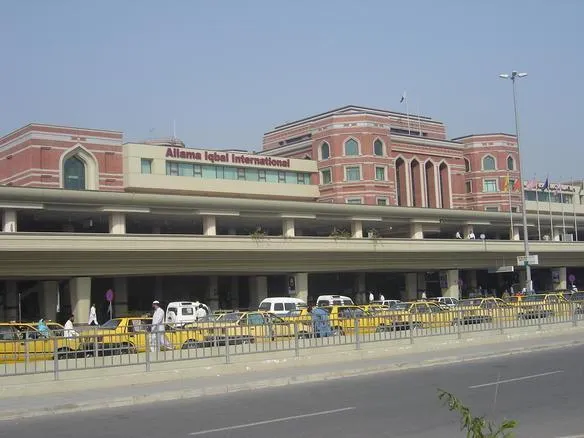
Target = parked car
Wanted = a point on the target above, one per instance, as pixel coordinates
(281, 305)
(334, 300)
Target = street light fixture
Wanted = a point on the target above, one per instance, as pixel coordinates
(513, 76)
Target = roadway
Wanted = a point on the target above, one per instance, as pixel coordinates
(544, 391)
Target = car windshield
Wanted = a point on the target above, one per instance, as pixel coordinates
(229, 317)
(577, 296)
(265, 306)
(400, 306)
(111, 324)
(534, 298)
(469, 303)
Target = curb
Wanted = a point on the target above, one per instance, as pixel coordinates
(272, 383)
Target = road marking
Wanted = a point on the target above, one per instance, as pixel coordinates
(275, 420)
(517, 379)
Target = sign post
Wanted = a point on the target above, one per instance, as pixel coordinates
(527, 260)
(572, 279)
(109, 297)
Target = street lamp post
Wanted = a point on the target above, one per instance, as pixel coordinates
(513, 76)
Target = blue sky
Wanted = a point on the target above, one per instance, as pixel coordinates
(229, 70)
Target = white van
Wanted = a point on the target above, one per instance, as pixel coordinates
(183, 312)
(334, 300)
(281, 305)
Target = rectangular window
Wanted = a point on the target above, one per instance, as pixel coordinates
(281, 176)
(261, 175)
(492, 208)
(251, 174)
(301, 178)
(220, 172)
(382, 201)
(354, 201)
(490, 186)
(353, 173)
(197, 171)
(468, 186)
(146, 164)
(240, 173)
(325, 177)
(186, 169)
(515, 209)
(171, 168)
(380, 173)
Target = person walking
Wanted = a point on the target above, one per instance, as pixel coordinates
(381, 298)
(371, 297)
(70, 331)
(43, 329)
(157, 339)
(92, 316)
(201, 312)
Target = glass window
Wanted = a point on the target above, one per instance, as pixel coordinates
(261, 175)
(171, 168)
(354, 201)
(489, 163)
(186, 169)
(272, 176)
(229, 172)
(197, 171)
(466, 165)
(468, 186)
(510, 163)
(146, 165)
(351, 147)
(219, 172)
(353, 173)
(240, 173)
(209, 171)
(381, 201)
(325, 151)
(301, 178)
(492, 209)
(326, 176)
(281, 176)
(74, 173)
(380, 173)
(378, 148)
(291, 178)
(490, 185)
(251, 174)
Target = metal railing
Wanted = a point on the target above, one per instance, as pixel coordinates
(31, 353)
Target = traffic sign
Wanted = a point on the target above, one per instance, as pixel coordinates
(109, 295)
(529, 260)
(501, 269)
(572, 278)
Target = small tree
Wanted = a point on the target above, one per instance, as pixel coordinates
(476, 427)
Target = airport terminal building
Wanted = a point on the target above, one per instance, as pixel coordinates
(348, 201)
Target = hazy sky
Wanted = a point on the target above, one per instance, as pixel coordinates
(228, 71)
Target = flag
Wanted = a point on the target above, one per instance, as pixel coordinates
(403, 98)
(531, 185)
(546, 184)
(517, 185)
(506, 184)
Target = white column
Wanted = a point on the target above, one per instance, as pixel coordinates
(234, 292)
(48, 300)
(411, 286)
(120, 296)
(213, 293)
(11, 304)
(288, 228)
(9, 221)
(80, 288)
(301, 286)
(258, 290)
(356, 229)
(209, 226)
(472, 279)
(515, 233)
(416, 231)
(451, 290)
(117, 223)
(557, 233)
(560, 278)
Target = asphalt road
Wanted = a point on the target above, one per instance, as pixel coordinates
(544, 391)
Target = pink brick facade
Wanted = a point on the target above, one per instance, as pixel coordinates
(421, 168)
(34, 156)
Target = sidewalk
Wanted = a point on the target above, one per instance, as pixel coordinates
(29, 396)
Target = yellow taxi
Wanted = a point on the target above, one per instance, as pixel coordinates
(117, 336)
(543, 306)
(343, 319)
(423, 314)
(483, 311)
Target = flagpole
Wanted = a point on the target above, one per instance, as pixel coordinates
(510, 207)
(537, 206)
(419, 121)
(563, 212)
(408, 116)
(574, 210)
(550, 209)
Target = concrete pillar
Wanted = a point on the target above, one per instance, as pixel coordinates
(158, 288)
(411, 286)
(156, 229)
(416, 231)
(48, 300)
(258, 290)
(560, 278)
(80, 288)
(68, 228)
(120, 296)
(516, 233)
(421, 283)
(356, 229)
(11, 301)
(471, 279)
(213, 293)
(117, 223)
(360, 289)
(522, 279)
(9, 221)
(209, 226)
(451, 290)
(288, 228)
(234, 292)
(466, 230)
(557, 234)
(301, 286)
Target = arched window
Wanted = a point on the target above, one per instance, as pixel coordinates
(378, 148)
(466, 165)
(489, 163)
(351, 147)
(74, 173)
(325, 151)
(510, 163)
